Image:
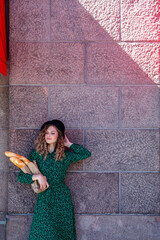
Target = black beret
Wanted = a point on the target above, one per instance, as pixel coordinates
(57, 123)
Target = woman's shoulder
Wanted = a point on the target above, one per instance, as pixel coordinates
(33, 154)
(67, 153)
(33, 151)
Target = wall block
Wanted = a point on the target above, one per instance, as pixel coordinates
(4, 107)
(21, 198)
(22, 142)
(29, 20)
(122, 150)
(3, 148)
(82, 107)
(140, 193)
(3, 191)
(94, 192)
(118, 227)
(25, 105)
(140, 20)
(18, 227)
(140, 107)
(85, 20)
(47, 63)
(122, 63)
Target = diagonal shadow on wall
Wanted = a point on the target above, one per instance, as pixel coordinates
(109, 60)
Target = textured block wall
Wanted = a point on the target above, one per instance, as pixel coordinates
(4, 137)
(94, 64)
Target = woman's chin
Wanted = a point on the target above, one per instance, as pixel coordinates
(50, 142)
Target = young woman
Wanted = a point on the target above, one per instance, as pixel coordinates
(54, 217)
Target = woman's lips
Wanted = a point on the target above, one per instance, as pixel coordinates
(49, 138)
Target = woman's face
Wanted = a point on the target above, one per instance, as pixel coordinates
(51, 135)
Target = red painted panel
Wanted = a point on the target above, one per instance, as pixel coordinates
(3, 41)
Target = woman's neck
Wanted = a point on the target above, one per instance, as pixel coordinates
(51, 147)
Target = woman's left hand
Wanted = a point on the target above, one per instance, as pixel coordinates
(42, 180)
(67, 143)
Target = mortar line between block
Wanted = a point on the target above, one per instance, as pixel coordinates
(92, 214)
(87, 128)
(140, 41)
(122, 172)
(120, 107)
(90, 41)
(54, 41)
(120, 194)
(81, 85)
(87, 171)
(7, 166)
(50, 20)
(85, 64)
(19, 214)
(117, 214)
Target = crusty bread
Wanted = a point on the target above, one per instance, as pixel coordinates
(17, 162)
(26, 166)
(11, 154)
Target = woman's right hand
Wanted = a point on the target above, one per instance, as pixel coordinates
(42, 180)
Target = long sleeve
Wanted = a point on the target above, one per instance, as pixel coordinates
(78, 153)
(25, 177)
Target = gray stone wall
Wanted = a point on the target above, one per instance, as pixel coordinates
(4, 137)
(95, 66)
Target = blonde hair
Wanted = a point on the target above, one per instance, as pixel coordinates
(42, 146)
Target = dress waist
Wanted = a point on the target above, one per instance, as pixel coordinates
(57, 185)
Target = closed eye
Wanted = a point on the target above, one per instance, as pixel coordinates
(51, 132)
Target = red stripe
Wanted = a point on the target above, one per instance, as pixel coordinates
(3, 41)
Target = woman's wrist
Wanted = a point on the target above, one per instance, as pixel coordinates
(69, 144)
(35, 177)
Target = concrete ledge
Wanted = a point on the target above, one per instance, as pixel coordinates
(2, 226)
(2, 231)
(118, 227)
(91, 227)
(18, 227)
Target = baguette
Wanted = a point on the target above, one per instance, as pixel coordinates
(11, 154)
(27, 167)
(17, 162)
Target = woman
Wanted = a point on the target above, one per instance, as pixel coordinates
(54, 217)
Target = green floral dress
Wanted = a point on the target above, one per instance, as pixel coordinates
(54, 217)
